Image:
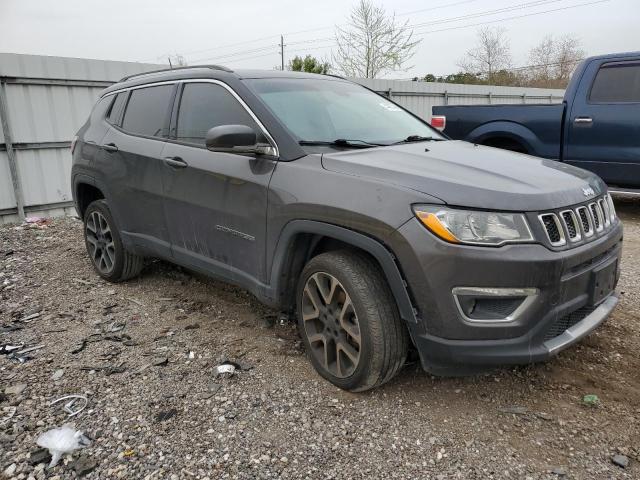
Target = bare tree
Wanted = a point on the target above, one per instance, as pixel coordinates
(373, 43)
(492, 54)
(553, 61)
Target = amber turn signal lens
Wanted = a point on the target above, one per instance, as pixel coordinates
(430, 221)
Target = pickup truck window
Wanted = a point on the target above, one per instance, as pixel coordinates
(326, 110)
(616, 83)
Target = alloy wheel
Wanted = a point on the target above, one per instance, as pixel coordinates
(100, 242)
(331, 324)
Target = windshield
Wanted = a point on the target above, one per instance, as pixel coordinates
(326, 110)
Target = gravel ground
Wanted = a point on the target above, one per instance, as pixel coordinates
(157, 410)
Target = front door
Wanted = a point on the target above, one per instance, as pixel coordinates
(215, 203)
(604, 123)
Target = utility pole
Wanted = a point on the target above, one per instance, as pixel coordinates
(281, 53)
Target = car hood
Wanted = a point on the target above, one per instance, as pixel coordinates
(464, 174)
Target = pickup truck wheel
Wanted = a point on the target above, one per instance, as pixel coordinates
(349, 321)
(108, 256)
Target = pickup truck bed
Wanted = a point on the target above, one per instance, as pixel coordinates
(524, 128)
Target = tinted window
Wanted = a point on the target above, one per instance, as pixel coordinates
(116, 107)
(204, 106)
(147, 111)
(619, 83)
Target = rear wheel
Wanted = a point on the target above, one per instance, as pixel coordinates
(104, 245)
(349, 321)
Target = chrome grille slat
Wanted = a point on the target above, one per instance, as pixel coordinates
(579, 224)
(585, 221)
(553, 229)
(570, 222)
(604, 208)
(596, 215)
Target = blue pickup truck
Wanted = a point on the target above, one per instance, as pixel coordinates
(596, 127)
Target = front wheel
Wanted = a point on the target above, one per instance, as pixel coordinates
(349, 322)
(104, 245)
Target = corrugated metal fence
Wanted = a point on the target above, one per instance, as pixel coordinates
(45, 100)
(419, 97)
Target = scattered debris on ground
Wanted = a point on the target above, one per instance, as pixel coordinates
(136, 365)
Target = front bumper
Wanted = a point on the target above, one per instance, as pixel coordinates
(562, 313)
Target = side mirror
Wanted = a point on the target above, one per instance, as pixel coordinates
(236, 139)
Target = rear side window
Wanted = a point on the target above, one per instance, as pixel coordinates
(147, 111)
(204, 106)
(116, 108)
(617, 83)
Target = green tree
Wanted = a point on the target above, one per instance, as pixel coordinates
(309, 64)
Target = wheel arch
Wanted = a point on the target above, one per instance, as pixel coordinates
(300, 240)
(504, 131)
(85, 191)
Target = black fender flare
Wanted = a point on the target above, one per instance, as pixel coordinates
(377, 250)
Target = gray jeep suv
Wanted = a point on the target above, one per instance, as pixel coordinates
(330, 202)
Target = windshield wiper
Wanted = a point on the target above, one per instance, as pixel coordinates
(418, 138)
(342, 142)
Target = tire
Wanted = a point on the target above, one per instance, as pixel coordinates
(107, 254)
(349, 321)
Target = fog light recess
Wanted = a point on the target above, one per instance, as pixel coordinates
(490, 305)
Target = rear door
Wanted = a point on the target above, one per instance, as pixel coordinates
(215, 203)
(604, 129)
(131, 166)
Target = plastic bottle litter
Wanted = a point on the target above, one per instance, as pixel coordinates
(60, 441)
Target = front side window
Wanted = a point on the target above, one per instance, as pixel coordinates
(148, 111)
(617, 83)
(326, 110)
(204, 106)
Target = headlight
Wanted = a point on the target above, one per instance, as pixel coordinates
(474, 227)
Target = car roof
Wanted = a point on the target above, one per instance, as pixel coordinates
(215, 72)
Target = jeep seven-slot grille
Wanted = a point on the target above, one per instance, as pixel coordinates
(582, 222)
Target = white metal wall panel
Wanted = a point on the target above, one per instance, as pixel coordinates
(37, 66)
(53, 113)
(45, 175)
(421, 104)
(41, 113)
(7, 198)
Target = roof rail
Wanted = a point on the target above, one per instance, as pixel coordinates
(189, 67)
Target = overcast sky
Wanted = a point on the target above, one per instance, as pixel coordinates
(246, 33)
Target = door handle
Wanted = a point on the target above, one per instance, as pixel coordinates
(109, 147)
(175, 162)
(583, 120)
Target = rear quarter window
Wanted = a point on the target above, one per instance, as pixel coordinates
(148, 112)
(117, 106)
(617, 83)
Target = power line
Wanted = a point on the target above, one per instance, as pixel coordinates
(485, 13)
(229, 56)
(424, 33)
(520, 6)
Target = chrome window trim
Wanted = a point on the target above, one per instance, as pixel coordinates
(266, 133)
(530, 295)
(563, 240)
(576, 225)
(589, 221)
